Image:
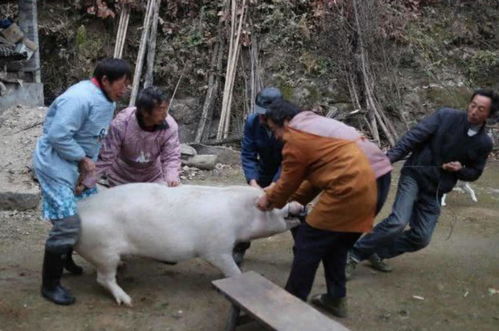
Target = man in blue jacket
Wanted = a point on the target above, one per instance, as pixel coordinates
(75, 124)
(260, 151)
(447, 146)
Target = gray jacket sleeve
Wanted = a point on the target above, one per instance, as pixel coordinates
(415, 137)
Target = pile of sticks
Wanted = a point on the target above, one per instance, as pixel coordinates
(147, 43)
(232, 60)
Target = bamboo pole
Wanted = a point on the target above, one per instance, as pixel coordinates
(221, 123)
(233, 72)
(370, 106)
(122, 30)
(213, 82)
(223, 126)
(151, 49)
(142, 48)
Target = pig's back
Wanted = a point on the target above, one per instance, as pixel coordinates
(152, 198)
(179, 216)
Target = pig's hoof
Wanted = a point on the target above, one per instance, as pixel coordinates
(124, 299)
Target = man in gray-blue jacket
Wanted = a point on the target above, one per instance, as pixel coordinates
(260, 152)
(74, 127)
(447, 146)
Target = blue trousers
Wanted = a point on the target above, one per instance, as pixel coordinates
(413, 206)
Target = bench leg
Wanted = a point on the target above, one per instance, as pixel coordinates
(232, 320)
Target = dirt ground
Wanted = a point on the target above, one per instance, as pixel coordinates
(450, 285)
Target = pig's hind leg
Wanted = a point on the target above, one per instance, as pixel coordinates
(106, 276)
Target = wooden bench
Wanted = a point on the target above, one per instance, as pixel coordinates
(271, 305)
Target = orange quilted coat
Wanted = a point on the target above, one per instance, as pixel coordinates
(338, 169)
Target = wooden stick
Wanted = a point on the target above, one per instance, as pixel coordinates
(224, 141)
(174, 92)
(118, 34)
(225, 123)
(369, 104)
(151, 49)
(121, 33)
(233, 72)
(215, 87)
(256, 84)
(142, 48)
(213, 82)
(221, 123)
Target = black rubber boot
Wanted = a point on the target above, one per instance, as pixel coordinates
(51, 276)
(70, 265)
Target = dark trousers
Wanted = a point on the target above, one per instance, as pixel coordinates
(64, 234)
(383, 185)
(313, 246)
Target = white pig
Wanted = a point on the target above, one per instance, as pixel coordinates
(171, 225)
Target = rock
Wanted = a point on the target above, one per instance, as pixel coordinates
(224, 155)
(300, 95)
(19, 129)
(18, 196)
(494, 191)
(187, 151)
(186, 112)
(178, 314)
(205, 161)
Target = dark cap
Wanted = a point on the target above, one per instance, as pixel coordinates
(265, 97)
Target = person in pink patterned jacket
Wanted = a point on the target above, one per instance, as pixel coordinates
(142, 144)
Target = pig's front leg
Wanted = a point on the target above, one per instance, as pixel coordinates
(224, 262)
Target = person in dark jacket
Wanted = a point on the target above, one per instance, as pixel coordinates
(446, 146)
(260, 152)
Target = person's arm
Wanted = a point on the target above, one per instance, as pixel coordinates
(305, 193)
(471, 171)
(170, 157)
(70, 116)
(249, 154)
(292, 175)
(111, 147)
(277, 175)
(415, 137)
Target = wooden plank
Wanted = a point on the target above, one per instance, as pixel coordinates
(273, 306)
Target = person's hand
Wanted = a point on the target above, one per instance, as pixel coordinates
(295, 208)
(270, 186)
(452, 166)
(87, 165)
(263, 203)
(254, 183)
(79, 189)
(173, 183)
